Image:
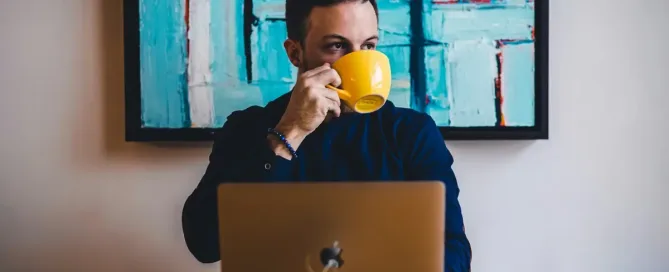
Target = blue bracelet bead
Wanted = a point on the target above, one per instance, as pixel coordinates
(283, 139)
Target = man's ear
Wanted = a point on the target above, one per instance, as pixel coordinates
(294, 52)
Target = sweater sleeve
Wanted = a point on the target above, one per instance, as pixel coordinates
(429, 159)
(240, 154)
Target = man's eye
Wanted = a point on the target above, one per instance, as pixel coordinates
(337, 46)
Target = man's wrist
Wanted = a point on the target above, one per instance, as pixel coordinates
(293, 136)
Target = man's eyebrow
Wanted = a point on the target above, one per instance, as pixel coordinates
(375, 37)
(334, 36)
(340, 37)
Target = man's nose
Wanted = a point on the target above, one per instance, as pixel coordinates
(355, 49)
(351, 50)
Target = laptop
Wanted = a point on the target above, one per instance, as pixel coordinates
(332, 226)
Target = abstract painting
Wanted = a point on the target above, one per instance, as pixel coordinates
(478, 67)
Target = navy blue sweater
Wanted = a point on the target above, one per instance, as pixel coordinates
(390, 144)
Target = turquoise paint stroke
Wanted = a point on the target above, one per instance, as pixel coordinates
(228, 61)
(163, 60)
(514, 2)
(273, 73)
(438, 94)
(449, 23)
(394, 24)
(518, 84)
(399, 56)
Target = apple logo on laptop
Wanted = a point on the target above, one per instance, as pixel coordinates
(331, 256)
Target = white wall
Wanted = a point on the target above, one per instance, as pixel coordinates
(75, 197)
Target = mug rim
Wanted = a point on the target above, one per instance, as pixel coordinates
(366, 51)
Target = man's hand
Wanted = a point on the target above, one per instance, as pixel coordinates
(309, 105)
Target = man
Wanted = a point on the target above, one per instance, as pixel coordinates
(324, 140)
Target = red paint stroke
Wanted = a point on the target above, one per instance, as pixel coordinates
(498, 83)
(533, 37)
(447, 2)
(187, 20)
(444, 2)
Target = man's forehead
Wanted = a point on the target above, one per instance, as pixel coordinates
(352, 20)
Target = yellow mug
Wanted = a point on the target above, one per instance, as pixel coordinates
(365, 80)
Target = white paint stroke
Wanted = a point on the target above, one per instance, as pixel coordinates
(231, 61)
(200, 96)
(472, 71)
(270, 10)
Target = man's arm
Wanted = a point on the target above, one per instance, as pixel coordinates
(431, 160)
(242, 151)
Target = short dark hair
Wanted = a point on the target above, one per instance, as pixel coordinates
(297, 14)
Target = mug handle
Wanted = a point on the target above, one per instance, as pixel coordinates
(345, 95)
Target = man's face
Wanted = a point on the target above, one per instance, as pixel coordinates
(333, 32)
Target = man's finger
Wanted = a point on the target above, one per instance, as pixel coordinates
(335, 108)
(328, 77)
(316, 70)
(331, 95)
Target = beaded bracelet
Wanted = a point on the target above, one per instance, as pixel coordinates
(283, 139)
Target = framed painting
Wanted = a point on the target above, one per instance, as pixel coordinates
(478, 67)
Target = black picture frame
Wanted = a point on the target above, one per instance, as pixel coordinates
(134, 132)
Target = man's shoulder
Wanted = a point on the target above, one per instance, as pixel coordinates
(405, 118)
(410, 130)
